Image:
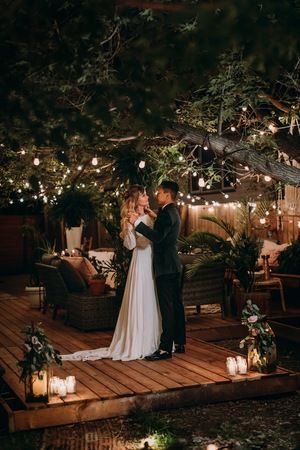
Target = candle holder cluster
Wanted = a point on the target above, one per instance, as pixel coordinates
(236, 365)
(62, 386)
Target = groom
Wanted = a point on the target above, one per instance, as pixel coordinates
(167, 268)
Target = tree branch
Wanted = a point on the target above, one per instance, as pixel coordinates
(237, 152)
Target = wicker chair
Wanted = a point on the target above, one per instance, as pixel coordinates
(206, 287)
(84, 311)
(56, 290)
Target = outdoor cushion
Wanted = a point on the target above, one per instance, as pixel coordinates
(273, 250)
(71, 276)
(83, 266)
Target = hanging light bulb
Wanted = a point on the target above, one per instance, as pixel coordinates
(201, 182)
(142, 164)
(36, 161)
(95, 161)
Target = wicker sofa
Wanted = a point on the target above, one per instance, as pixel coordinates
(206, 287)
(66, 289)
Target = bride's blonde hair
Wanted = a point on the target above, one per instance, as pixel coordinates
(129, 205)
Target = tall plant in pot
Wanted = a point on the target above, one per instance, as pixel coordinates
(238, 252)
(75, 207)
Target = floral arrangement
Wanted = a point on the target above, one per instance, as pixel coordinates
(38, 352)
(260, 337)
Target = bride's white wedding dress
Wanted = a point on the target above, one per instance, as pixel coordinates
(138, 328)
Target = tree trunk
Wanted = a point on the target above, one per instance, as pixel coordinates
(237, 152)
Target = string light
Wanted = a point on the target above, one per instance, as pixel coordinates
(36, 161)
(233, 128)
(142, 164)
(95, 161)
(201, 182)
(244, 108)
(79, 168)
(267, 178)
(195, 174)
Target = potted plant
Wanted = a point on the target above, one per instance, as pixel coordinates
(289, 259)
(262, 354)
(38, 355)
(238, 252)
(40, 245)
(75, 207)
(97, 281)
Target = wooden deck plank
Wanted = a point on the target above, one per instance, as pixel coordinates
(107, 388)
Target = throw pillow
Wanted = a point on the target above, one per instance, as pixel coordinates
(83, 266)
(72, 278)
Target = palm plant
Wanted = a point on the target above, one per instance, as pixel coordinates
(239, 252)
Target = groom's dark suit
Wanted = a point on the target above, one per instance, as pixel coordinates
(167, 269)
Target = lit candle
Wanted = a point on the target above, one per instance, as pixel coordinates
(62, 388)
(231, 366)
(241, 364)
(53, 385)
(73, 252)
(39, 383)
(71, 384)
(63, 253)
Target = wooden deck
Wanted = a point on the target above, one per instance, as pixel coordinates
(110, 388)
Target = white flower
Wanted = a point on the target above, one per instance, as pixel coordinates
(252, 319)
(34, 340)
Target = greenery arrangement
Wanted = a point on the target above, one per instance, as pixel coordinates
(260, 340)
(75, 206)
(289, 258)
(238, 252)
(100, 275)
(38, 352)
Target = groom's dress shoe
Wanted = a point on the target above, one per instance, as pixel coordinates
(158, 356)
(179, 348)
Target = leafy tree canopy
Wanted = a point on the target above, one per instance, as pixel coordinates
(101, 79)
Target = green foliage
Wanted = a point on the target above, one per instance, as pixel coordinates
(99, 267)
(239, 252)
(75, 206)
(289, 258)
(38, 352)
(258, 329)
(151, 425)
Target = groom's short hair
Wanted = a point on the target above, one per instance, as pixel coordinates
(170, 186)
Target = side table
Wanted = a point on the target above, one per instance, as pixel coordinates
(271, 284)
(88, 312)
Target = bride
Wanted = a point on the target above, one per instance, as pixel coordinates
(138, 328)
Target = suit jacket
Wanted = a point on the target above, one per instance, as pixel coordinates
(164, 237)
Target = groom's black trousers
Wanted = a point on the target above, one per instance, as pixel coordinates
(172, 310)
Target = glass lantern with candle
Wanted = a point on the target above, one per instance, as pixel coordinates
(262, 354)
(38, 355)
